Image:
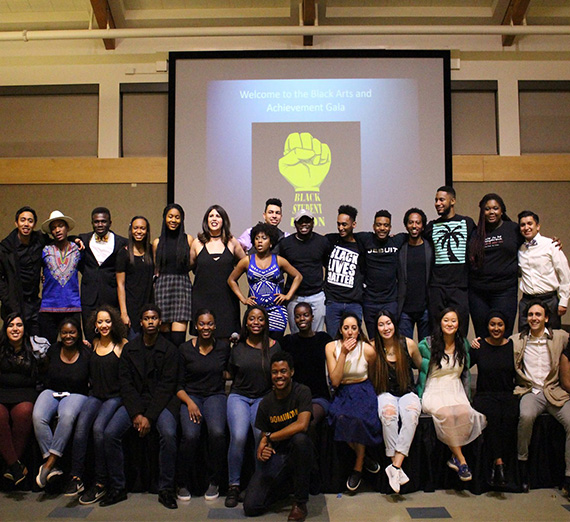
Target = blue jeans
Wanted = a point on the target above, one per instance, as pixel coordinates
(317, 302)
(241, 415)
(408, 321)
(214, 411)
(371, 309)
(335, 311)
(67, 410)
(482, 302)
(398, 412)
(113, 435)
(95, 414)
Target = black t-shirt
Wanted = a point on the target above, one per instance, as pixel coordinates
(450, 238)
(202, 375)
(500, 266)
(138, 281)
(309, 257)
(63, 377)
(275, 414)
(310, 361)
(345, 276)
(495, 367)
(381, 266)
(416, 299)
(250, 371)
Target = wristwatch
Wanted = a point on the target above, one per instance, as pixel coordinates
(268, 436)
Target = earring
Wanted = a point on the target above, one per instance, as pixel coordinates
(96, 330)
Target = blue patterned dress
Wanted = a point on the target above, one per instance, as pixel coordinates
(264, 285)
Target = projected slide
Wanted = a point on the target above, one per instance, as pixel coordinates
(316, 142)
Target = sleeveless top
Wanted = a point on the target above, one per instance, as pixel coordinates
(264, 284)
(355, 365)
(170, 263)
(393, 388)
(104, 374)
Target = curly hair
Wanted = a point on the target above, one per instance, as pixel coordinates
(118, 328)
(264, 228)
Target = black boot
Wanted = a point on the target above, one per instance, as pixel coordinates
(523, 473)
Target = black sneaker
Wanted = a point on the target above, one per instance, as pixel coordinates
(95, 493)
(353, 481)
(232, 498)
(74, 487)
(114, 496)
(167, 498)
(16, 472)
(371, 465)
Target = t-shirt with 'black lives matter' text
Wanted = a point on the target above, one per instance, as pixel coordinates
(345, 276)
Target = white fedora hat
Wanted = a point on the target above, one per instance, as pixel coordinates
(56, 215)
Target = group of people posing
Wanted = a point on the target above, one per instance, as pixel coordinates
(131, 367)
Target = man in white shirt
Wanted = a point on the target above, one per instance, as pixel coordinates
(537, 352)
(545, 274)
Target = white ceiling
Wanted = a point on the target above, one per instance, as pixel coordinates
(18, 15)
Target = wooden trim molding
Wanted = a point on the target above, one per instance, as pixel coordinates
(45, 171)
(536, 167)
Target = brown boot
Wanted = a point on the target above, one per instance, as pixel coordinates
(298, 512)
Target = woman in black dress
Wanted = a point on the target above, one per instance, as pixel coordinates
(173, 289)
(213, 256)
(134, 271)
(494, 396)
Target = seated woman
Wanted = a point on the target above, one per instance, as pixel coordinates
(443, 386)
(265, 275)
(201, 389)
(66, 388)
(399, 406)
(104, 400)
(494, 397)
(251, 375)
(353, 414)
(19, 369)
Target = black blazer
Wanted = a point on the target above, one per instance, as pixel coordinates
(99, 284)
(142, 390)
(403, 272)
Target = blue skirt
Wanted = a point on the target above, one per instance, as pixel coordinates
(353, 414)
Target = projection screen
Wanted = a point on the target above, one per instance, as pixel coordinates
(316, 129)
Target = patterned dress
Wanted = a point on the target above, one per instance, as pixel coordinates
(264, 285)
(61, 286)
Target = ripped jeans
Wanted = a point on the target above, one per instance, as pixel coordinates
(394, 411)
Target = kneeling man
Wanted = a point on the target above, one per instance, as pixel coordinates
(285, 450)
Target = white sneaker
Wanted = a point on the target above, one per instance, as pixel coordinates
(393, 478)
(183, 494)
(404, 479)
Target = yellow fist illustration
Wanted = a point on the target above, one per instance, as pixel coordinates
(305, 162)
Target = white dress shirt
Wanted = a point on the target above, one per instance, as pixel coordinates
(102, 249)
(537, 361)
(544, 268)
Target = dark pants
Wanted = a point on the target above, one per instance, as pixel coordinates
(49, 323)
(15, 430)
(502, 412)
(441, 297)
(272, 480)
(482, 302)
(421, 320)
(551, 300)
(213, 410)
(114, 432)
(371, 309)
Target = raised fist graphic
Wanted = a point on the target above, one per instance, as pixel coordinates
(305, 162)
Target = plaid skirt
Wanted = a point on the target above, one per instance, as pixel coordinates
(173, 294)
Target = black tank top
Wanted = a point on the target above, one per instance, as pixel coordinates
(170, 264)
(393, 387)
(104, 374)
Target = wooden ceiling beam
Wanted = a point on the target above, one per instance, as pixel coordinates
(514, 15)
(309, 17)
(104, 17)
